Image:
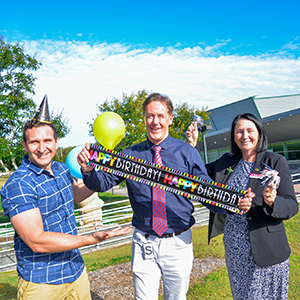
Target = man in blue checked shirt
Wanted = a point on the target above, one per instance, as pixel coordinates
(39, 200)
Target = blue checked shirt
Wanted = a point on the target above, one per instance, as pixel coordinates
(33, 187)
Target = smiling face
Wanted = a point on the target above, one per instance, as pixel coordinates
(157, 120)
(246, 136)
(41, 146)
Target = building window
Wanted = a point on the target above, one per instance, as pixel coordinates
(278, 148)
(213, 155)
(293, 150)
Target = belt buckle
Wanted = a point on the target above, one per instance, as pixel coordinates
(168, 235)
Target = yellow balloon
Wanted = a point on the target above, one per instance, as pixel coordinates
(109, 129)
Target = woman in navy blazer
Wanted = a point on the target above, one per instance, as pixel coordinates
(256, 247)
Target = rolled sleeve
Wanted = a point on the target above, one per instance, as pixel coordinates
(17, 197)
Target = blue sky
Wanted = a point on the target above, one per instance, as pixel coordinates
(206, 53)
(250, 27)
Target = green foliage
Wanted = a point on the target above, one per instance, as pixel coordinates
(16, 106)
(16, 84)
(62, 153)
(60, 123)
(183, 115)
(130, 109)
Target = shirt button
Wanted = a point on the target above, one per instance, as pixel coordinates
(250, 218)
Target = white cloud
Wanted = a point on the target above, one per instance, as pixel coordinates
(77, 76)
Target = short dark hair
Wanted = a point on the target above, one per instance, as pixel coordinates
(34, 124)
(263, 139)
(161, 98)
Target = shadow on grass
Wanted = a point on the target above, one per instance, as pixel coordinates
(8, 291)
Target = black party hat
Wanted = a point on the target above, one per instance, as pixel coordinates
(42, 114)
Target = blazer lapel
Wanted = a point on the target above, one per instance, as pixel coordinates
(230, 170)
(258, 166)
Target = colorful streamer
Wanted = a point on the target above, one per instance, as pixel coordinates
(170, 180)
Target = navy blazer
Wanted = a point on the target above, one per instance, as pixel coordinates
(267, 233)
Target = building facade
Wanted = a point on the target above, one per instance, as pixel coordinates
(280, 117)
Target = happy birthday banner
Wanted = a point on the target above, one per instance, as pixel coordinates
(170, 180)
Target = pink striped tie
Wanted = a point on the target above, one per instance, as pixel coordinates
(159, 214)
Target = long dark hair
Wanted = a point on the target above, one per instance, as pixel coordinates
(262, 144)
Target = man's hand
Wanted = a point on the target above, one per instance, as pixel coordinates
(192, 134)
(83, 159)
(105, 235)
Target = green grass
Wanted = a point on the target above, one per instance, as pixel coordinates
(104, 258)
(108, 197)
(214, 286)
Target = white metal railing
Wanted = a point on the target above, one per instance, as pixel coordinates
(296, 176)
(4, 174)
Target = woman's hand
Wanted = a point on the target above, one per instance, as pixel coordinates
(246, 202)
(269, 194)
(192, 134)
(83, 159)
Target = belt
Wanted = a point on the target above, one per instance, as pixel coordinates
(166, 235)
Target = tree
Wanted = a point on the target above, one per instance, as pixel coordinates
(16, 106)
(62, 153)
(130, 109)
(61, 123)
(183, 115)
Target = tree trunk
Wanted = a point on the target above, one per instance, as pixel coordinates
(13, 161)
(3, 166)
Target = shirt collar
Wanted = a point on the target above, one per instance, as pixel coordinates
(34, 168)
(164, 144)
